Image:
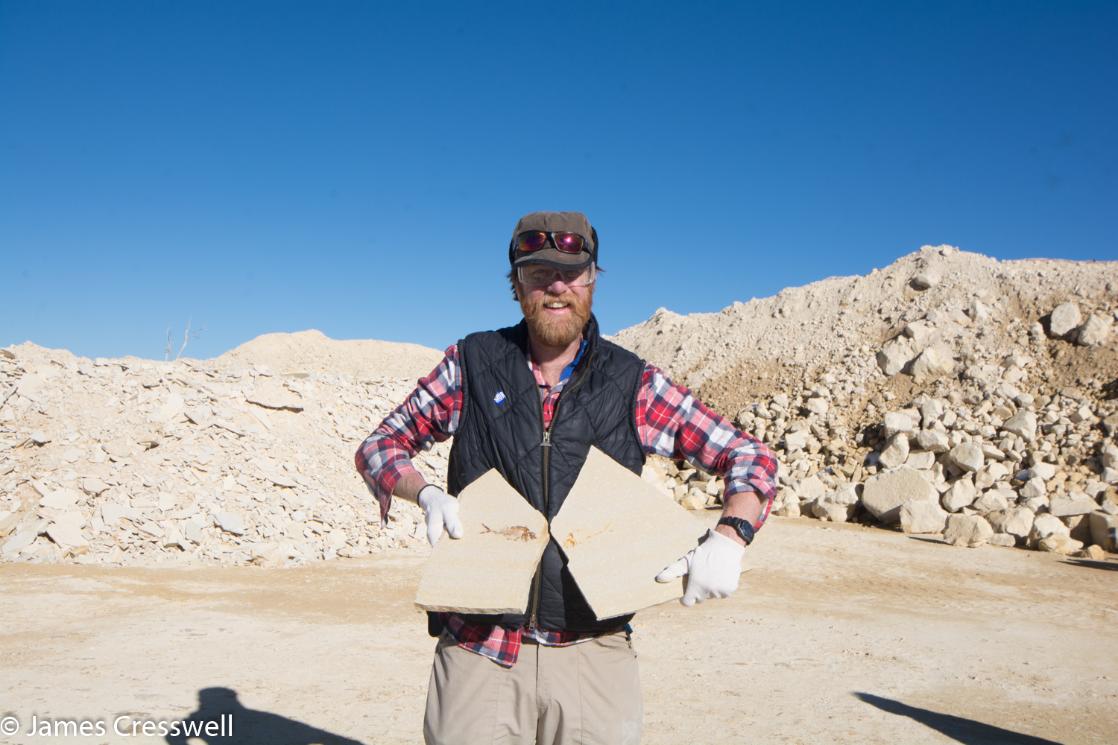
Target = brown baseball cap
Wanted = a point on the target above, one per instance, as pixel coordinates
(555, 222)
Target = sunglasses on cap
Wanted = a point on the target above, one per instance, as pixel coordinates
(564, 242)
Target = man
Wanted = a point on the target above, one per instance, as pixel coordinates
(530, 400)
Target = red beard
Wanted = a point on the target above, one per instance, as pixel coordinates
(556, 330)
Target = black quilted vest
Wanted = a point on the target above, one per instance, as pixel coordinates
(502, 427)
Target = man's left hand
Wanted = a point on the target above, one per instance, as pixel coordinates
(712, 568)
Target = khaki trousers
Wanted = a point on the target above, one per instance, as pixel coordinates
(584, 694)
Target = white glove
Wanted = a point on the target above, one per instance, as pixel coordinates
(712, 568)
(440, 509)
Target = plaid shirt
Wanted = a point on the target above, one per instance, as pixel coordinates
(669, 422)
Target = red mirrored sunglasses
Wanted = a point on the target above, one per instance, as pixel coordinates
(536, 240)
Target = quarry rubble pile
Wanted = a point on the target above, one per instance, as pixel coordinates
(947, 394)
(224, 461)
(984, 410)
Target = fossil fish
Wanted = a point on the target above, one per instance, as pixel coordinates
(516, 532)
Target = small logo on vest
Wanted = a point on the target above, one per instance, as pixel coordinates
(500, 399)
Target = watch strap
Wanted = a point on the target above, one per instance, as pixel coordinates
(741, 526)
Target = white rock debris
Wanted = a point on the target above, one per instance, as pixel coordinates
(948, 393)
(966, 396)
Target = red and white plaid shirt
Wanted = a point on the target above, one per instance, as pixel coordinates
(669, 422)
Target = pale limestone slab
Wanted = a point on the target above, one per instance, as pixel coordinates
(618, 532)
(490, 568)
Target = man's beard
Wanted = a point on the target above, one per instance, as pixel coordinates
(557, 332)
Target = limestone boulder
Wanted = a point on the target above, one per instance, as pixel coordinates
(934, 362)
(836, 506)
(1103, 527)
(830, 511)
(796, 441)
(922, 333)
(1075, 503)
(1046, 525)
(1093, 552)
(922, 516)
(1018, 521)
(967, 530)
(1060, 544)
(1063, 319)
(924, 279)
(895, 354)
(1109, 455)
(846, 493)
(817, 405)
(1033, 488)
(788, 509)
(1045, 471)
(811, 489)
(1023, 424)
(920, 459)
(895, 452)
(897, 422)
(993, 500)
(1094, 332)
(933, 441)
(961, 494)
(966, 456)
(884, 493)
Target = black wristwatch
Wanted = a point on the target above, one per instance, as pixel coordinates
(741, 526)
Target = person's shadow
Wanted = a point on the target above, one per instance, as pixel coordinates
(967, 731)
(221, 718)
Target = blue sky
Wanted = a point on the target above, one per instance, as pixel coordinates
(357, 167)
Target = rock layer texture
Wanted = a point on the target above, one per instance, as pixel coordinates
(947, 393)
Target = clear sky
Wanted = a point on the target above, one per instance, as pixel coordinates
(357, 167)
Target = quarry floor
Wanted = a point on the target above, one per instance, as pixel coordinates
(839, 634)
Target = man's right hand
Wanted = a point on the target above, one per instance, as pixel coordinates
(440, 510)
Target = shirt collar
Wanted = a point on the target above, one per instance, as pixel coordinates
(567, 371)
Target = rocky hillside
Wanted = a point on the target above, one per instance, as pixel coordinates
(246, 458)
(947, 393)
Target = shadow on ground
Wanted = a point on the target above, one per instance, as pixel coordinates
(222, 719)
(1093, 564)
(926, 539)
(957, 728)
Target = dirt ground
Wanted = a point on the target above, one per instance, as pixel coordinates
(840, 634)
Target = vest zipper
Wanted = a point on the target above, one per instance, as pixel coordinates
(546, 445)
(546, 455)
